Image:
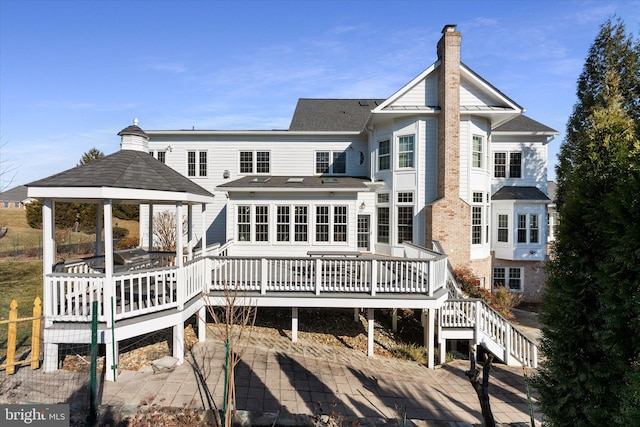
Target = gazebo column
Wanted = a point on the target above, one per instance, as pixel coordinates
(190, 242)
(150, 230)
(98, 249)
(111, 342)
(203, 231)
(202, 313)
(178, 329)
(50, 362)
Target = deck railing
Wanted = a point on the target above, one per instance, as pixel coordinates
(68, 295)
(486, 322)
(329, 274)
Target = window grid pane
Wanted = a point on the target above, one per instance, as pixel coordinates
(476, 225)
(383, 225)
(244, 223)
(384, 155)
(503, 228)
(533, 229)
(191, 163)
(515, 165)
(500, 165)
(405, 224)
(262, 223)
(522, 229)
(477, 152)
(340, 224)
(300, 224)
(262, 162)
(162, 156)
(340, 162)
(322, 223)
(405, 197)
(515, 282)
(498, 277)
(246, 162)
(322, 162)
(203, 164)
(405, 152)
(282, 224)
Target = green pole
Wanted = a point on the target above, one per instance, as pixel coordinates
(526, 383)
(226, 381)
(93, 406)
(114, 367)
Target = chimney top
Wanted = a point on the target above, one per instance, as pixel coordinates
(449, 28)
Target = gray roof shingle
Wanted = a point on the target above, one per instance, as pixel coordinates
(15, 194)
(124, 169)
(519, 193)
(298, 182)
(332, 115)
(523, 124)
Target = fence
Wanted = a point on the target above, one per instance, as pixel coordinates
(12, 333)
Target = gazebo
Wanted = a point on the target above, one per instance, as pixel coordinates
(129, 176)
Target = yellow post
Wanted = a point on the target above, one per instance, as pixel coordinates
(11, 338)
(35, 333)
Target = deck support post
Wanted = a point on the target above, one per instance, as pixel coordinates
(50, 362)
(370, 329)
(428, 324)
(394, 320)
(178, 342)
(294, 324)
(202, 324)
(356, 314)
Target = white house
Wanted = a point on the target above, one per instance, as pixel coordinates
(447, 158)
(360, 204)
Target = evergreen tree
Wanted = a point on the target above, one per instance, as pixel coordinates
(590, 314)
(90, 156)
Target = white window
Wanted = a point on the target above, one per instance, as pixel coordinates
(244, 223)
(405, 151)
(528, 228)
(339, 223)
(405, 216)
(383, 217)
(161, 155)
(197, 163)
(322, 223)
(503, 228)
(257, 162)
(326, 166)
(509, 277)
(384, 155)
(282, 224)
(477, 153)
(300, 224)
(502, 169)
(477, 218)
(262, 223)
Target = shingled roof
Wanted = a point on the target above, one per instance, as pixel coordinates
(332, 115)
(520, 193)
(523, 123)
(127, 169)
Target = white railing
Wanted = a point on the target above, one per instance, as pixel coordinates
(68, 297)
(329, 274)
(488, 323)
(145, 291)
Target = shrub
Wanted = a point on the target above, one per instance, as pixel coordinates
(128, 242)
(120, 232)
(501, 300)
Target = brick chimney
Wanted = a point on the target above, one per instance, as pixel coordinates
(448, 218)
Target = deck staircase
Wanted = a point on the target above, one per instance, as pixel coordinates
(464, 318)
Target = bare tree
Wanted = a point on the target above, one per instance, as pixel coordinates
(8, 170)
(232, 324)
(165, 235)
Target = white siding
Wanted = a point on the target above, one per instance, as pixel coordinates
(534, 162)
(424, 93)
(471, 96)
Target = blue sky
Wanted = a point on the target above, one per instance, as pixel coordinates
(74, 73)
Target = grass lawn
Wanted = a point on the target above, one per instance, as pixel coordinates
(20, 281)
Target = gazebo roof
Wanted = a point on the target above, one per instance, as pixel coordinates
(127, 175)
